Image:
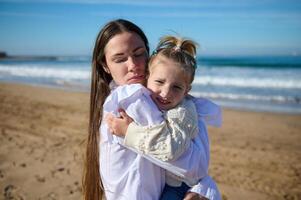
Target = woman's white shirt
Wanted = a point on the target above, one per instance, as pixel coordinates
(127, 174)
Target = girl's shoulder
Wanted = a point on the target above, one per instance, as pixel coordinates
(207, 110)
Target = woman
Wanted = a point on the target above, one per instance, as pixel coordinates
(120, 54)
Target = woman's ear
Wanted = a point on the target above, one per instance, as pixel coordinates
(105, 67)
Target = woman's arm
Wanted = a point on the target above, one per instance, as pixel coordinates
(192, 164)
(206, 188)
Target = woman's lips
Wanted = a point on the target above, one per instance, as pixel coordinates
(137, 78)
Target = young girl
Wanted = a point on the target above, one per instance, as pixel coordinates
(171, 72)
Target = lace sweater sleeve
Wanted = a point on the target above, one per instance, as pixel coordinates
(169, 139)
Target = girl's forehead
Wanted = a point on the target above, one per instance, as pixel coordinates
(161, 65)
(161, 60)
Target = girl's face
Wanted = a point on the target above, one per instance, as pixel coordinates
(126, 57)
(167, 82)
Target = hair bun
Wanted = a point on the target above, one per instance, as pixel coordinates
(178, 44)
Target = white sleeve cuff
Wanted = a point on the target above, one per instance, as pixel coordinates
(207, 188)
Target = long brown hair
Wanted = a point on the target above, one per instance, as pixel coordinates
(92, 186)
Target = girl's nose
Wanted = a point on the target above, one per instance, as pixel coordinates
(165, 93)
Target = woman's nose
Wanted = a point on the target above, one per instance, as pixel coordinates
(132, 64)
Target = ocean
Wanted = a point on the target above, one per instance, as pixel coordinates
(271, 84)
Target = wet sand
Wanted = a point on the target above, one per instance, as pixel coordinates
(253, 156)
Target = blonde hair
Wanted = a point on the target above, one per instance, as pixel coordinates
(180, 50)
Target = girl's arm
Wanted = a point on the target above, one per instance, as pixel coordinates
(205, 189)
(165, 141)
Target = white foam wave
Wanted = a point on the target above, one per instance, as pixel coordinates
(248, 82)
(38, 72)
(279, 99)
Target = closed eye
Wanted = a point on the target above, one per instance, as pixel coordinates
(139, 52)
(120, 59)
(178, 87)
(159, 81)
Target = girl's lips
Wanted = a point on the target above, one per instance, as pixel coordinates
(162, 101)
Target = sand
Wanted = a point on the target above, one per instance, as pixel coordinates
(253, 156)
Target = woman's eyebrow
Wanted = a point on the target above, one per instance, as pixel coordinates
(121, 54)
(117, 54)
(138, 48)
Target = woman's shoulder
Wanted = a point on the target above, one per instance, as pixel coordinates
(129, 90)
(124, 92)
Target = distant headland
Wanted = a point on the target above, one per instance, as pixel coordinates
(5, 56)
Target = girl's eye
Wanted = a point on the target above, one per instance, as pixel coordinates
(178, 88)
(159, 82)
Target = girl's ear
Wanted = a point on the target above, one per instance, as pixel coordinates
(188, 89)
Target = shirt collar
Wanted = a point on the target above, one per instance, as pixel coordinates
(113, 85)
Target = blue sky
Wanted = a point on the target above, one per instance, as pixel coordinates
(221, 27)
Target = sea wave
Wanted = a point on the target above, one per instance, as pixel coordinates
(83, 73)
(231, 96)
(254, 62)
(248, 82)
(37, 71)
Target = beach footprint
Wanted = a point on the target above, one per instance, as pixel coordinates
(1, 174)
(12, 192)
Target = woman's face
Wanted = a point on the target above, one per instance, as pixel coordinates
(126, 57)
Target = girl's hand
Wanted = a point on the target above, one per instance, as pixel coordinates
(118, 125)
(194, 196)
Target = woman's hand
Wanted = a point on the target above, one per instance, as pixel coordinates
(194, 196)
(118, 125)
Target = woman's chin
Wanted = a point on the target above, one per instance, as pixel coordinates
(133, 81)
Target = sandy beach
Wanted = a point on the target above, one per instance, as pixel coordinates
(253, 156)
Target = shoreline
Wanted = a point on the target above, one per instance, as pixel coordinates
(254, 155)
